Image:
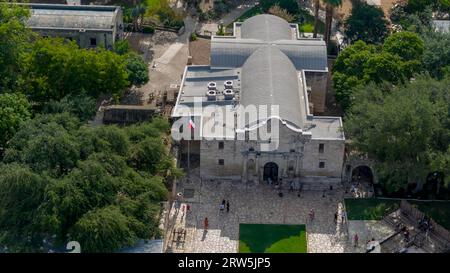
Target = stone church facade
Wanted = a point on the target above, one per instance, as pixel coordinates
(265, 63)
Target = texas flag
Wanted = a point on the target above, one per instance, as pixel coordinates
(191, 124)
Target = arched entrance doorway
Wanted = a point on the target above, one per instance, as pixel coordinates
(362, 174)
(270, 171)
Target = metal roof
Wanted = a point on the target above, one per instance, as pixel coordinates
(305, 54)
(266, 27)
(49, 16)
(270, 78)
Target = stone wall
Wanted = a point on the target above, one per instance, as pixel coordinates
(318, 83)
(294, 158)
(128, 114)
(103, 39)
(332, 156)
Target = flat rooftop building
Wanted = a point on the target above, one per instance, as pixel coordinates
(88, 25)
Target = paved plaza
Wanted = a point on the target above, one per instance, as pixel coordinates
(257, 204)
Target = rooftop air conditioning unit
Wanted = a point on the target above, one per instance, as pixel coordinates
(228, 84)
(228, 93)
(212, 86)
(211, 95)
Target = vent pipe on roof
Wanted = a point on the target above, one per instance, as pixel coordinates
(228, 94)
(212, 86)
(211, 95)
(228, 84)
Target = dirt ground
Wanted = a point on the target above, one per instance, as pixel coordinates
(200, 51)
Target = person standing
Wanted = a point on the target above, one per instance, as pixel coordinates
(222, 206)
(335, 217)
(228, 206)
(355, 239)
(311, 215)
(206, 223)
(343, 216)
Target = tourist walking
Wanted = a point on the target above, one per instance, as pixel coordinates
(228, 206)
(205, 223)
(343, 216)
(355, 239)
(311, 215)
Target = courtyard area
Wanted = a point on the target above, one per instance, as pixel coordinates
(257, 204)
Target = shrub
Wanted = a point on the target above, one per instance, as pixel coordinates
(148, 29)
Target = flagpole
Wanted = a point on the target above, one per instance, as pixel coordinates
(189, 154)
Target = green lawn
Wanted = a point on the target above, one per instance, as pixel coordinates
(261, 238)
(369, 208)
(374, 209)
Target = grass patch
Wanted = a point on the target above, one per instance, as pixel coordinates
(369, 208)
(375, 209)
(260, 238)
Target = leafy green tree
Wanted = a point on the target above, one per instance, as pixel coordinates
(436, 55)
(81, 106)
(15, 38)
(404, 129)
(398, 60)
(14, 111)
(407, 45)
(348, 70)
(57, 68)
(21, 193)
(366, 22)
(122, 47)
(86, 187)
(104, 229)
(147, 154)
(46, 143)
(137, 69)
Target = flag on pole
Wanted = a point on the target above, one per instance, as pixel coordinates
(191, 124)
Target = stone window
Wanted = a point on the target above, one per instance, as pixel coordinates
(321, 148)
(321, 164)
(93, 41)
(221, 162)
(221, 144)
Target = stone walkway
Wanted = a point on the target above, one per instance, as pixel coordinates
(257, 204)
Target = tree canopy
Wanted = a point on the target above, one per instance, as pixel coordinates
(14, 111)
(88, 186)
(14, 40)
(404, 128)
(366, 22)
(360, 63)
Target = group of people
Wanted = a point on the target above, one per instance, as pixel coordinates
(225, 204)
(343, 216)
(424, 224)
